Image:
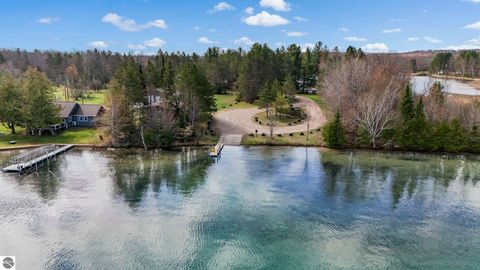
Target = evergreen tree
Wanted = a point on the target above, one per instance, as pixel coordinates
(406, 135)
(350, 53)
(420, 128)
(38, 97)
(334, 133)
(2, 59)
(194, 92)
(289, 89)
(267, 97)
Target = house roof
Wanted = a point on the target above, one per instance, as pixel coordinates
(88, 110)
(68, 108)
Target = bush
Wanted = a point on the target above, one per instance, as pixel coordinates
(334, 132)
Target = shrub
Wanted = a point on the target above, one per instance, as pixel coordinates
(334, 132)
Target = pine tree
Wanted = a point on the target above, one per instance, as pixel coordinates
(38, 109)
(407, 106)
(406, 131)
(267, 97)
(289, 89)
(334, 132)
(420, 128)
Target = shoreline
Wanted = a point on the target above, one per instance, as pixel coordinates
(473, 82)
(378, 150)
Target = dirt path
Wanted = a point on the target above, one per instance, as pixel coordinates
(232, 124)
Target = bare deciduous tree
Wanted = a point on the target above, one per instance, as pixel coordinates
(376, 111)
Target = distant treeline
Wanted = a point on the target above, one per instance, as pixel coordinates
(93, 69)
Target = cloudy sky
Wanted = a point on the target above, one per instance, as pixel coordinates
(144, 26)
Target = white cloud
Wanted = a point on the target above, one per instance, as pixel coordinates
(279, 5)
(222, 6)
(376, 48)
(355, 39)
(48, 20)
(99, 44)
(300, 19)
(475, 40)
(243, 41)
(249, 10)
(281, 44)
(389, 31)
(154, 43)
(136, 47)
(130, 25)
(205, 40)
(157, 24)
(266, 19)
(307, 45)
(197, 28)
(412, 39)
(475, 26)
(296, 34)
(472, 1)
(344, 29)
(462, 47)
(472, 44)
(432, 40)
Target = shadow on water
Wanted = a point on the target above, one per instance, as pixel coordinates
(180, 172)
(357, 176)
(46, 181)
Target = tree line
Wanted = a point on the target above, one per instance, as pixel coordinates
(186, 87)
(464, 63)
(377, 108)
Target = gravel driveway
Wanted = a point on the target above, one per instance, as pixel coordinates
(233, 123)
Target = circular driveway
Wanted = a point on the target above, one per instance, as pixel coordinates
(239, 121)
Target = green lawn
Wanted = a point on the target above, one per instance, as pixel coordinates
(279, 120)
(227, 101)
(72, 136)
(314, 139)
(91, 97)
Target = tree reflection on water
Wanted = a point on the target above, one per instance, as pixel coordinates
(133, 174)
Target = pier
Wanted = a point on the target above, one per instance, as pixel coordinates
(216, 151)
(33, 159)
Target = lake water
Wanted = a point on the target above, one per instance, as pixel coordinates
(420, 83)
(256, 208)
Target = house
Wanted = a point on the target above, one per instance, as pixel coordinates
(79, 115)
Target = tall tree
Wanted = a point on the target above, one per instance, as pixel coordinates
(11, 102)
(194, 92)
(38, 108)
(334, 133)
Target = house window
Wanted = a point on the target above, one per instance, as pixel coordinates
(83, 119)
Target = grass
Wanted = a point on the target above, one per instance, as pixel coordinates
(279, 120)
(91, 97)
(227, 101)
(72, 136)
(315, 139)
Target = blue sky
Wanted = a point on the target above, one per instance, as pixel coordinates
(192, 26)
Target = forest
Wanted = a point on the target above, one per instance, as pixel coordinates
(370, 94)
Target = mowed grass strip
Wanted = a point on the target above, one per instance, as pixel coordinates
(71, 136)
(227, 101)
(296, 139)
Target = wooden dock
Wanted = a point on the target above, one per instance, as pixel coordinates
(33, 159)
(216, 151)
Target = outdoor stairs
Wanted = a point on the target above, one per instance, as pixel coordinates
(231, 139)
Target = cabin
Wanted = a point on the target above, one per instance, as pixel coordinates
(79, 115)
